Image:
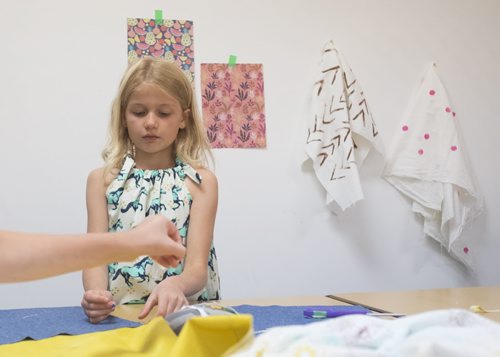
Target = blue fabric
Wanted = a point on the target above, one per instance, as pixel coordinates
(20, 324)
(265, 317)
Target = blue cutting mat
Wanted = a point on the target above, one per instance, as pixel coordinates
(20, 324)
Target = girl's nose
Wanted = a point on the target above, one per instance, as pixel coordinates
(151, 121)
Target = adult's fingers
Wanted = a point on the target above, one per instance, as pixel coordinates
(172, 258)
(167, 261)
(173, 232)
(177, 251)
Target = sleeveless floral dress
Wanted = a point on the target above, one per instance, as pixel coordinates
(132, 196)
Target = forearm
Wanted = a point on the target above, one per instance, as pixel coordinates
(43, 255)
(190, 281)
(95, 278)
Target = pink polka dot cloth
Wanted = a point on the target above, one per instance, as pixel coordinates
(428, 163)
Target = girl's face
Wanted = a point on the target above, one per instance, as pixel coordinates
(153, 118)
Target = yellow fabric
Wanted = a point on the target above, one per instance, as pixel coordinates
(212, 336)
(200, 337)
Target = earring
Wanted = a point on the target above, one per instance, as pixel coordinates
(131, 149)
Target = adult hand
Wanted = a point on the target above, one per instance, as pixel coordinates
(162, 239)
(168, 296)
(97, 304)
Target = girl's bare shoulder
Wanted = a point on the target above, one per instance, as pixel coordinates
(101, 177)
(208, 181)
(208, 178)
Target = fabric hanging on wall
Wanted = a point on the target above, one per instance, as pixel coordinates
(428, 163)
(341, 131)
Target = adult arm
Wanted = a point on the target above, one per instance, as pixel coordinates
(44, 255)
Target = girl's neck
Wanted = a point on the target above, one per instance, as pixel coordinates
(154, 162)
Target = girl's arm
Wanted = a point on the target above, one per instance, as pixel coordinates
(96, 278)
(170, 294)
(31, 256)
(97, 301)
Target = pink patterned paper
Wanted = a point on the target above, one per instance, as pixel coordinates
(233, 105)
(172, 40)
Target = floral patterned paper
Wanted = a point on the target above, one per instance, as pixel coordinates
(172, 40)
(233, 105)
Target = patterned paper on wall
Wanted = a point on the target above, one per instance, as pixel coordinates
(172, 40)
(233, 105)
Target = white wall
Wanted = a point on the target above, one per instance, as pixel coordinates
(60, 63)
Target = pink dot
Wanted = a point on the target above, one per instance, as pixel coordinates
(448, 110)
(453, 148)
(432, 92)
(420, 152)
(405, 128)
(454, 113)
(466, 250)
(426, 136)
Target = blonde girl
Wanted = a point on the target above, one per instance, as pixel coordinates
(155, 163)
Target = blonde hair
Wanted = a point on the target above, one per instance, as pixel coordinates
(191, 144)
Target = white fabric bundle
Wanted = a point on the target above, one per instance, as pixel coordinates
(341, 131)
(453, 332)
(428, 163)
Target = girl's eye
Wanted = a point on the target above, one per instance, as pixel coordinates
(139, 114)
(162, 114)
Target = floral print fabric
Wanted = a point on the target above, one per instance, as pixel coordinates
(233, 105)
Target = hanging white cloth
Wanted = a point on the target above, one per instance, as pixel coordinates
(341, 131)
(428, 163)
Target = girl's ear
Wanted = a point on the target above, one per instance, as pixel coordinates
(185, 117)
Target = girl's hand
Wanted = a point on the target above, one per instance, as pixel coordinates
(168, 296)
(97, 304)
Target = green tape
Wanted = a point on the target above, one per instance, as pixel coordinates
(232, 61)
(159, 17)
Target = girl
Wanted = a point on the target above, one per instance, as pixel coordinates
(154, 164)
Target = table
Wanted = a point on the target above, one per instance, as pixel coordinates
(407, 302)
(130, 312)
(416, 301)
